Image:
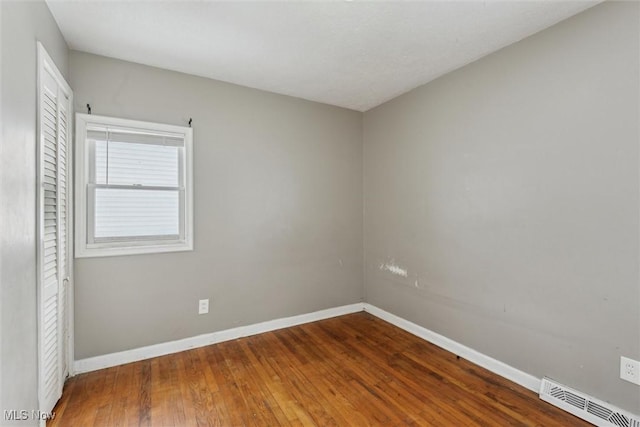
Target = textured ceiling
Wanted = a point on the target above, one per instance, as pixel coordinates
(351, 54)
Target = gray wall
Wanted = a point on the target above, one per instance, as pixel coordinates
(22, 23)
(278, 211)
(508, 190)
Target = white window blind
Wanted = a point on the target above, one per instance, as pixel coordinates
(136, 186)
(139, 213)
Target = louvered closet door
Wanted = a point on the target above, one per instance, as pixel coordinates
(54, 262)
(63, 208)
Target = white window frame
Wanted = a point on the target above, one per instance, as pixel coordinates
(85, 246)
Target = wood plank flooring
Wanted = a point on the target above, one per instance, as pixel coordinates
(353, 370)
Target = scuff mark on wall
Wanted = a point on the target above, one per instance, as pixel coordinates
(393, 268)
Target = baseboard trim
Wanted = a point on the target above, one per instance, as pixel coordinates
(497, 367)
(142, 353)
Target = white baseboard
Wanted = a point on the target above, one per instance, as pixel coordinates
(142, 353)
(489, 363)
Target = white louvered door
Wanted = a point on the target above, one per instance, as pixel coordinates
(63, 207)
(53, 208)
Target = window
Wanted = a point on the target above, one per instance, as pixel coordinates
(134, 187)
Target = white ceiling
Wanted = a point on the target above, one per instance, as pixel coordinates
(351, 54)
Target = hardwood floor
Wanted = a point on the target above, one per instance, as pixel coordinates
(350, 370)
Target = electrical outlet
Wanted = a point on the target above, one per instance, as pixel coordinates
(203, 306)
(630, 370)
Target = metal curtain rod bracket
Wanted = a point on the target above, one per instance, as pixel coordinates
(190, 120)
(88, 108)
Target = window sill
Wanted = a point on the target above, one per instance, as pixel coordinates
(94, 251)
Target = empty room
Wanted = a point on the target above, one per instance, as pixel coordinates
(320, 213)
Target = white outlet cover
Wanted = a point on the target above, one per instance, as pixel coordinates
(630, 370)
(203, 306)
